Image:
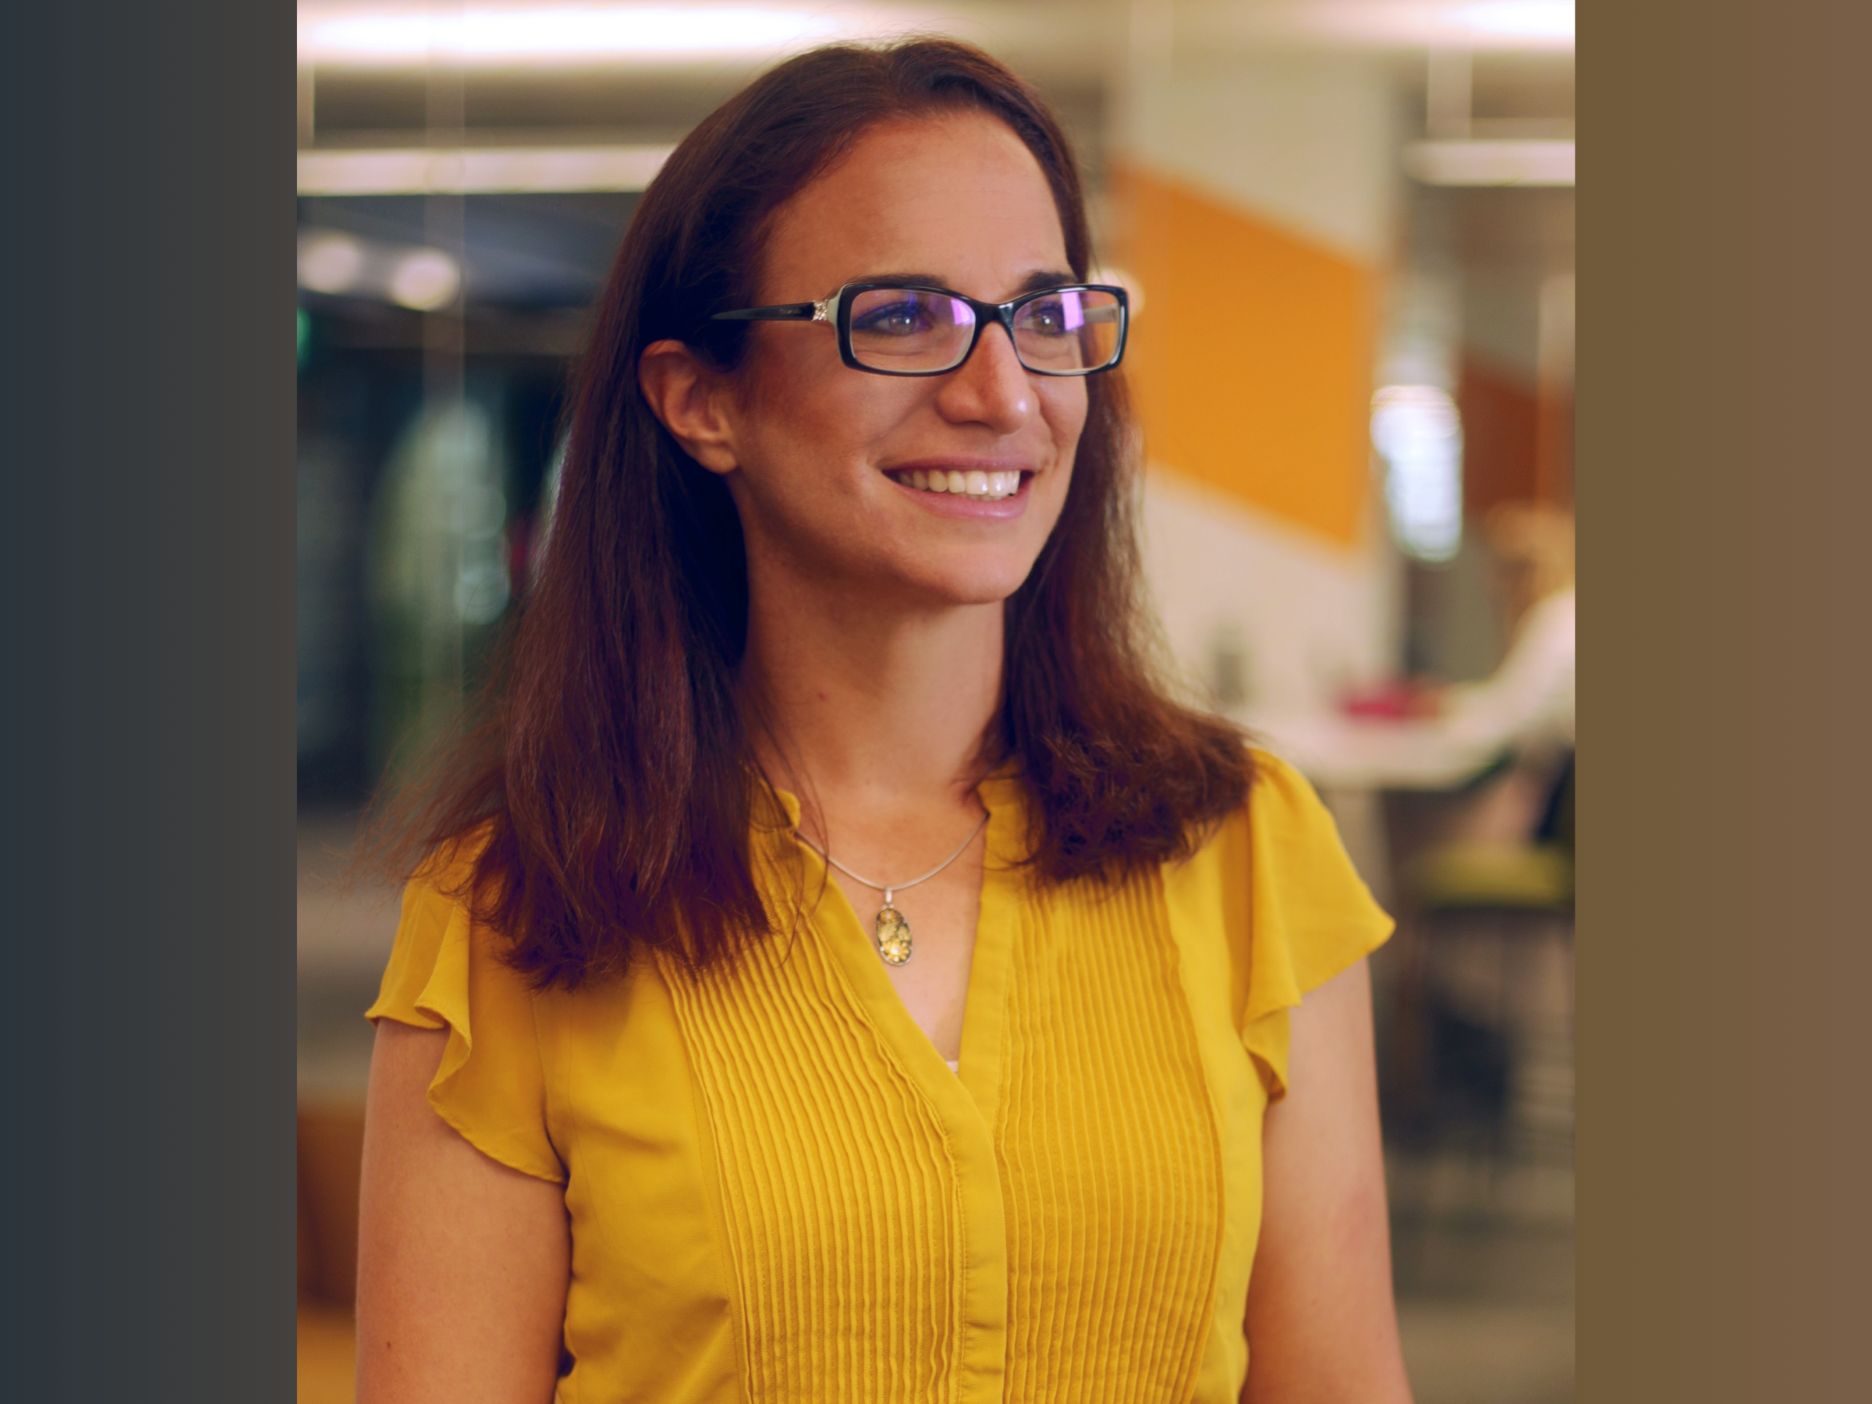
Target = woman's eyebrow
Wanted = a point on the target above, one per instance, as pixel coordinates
(1033, 282)
(904, 280)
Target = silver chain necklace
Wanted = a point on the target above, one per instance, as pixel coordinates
(893, 932)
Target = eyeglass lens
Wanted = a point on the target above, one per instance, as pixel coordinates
(911, 329)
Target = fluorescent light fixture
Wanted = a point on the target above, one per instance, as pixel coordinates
(485, 171)
(1490, 162)
(1527, 19)
(1483, 25)
(523, 35)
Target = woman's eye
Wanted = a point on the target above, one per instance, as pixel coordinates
(1047, 318)
(898, 319)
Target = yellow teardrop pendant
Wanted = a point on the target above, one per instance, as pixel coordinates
(893, 936)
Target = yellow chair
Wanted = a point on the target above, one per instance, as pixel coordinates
(1534, 877)
(1458, 898)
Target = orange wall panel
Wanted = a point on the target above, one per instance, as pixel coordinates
(1251, 362)
(1499, 422)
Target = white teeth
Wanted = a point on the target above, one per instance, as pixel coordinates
(983, 486)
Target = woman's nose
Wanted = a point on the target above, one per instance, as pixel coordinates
(991, 387)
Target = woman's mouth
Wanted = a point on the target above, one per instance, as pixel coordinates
(971, 483)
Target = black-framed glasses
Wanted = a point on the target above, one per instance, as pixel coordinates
(889, 329)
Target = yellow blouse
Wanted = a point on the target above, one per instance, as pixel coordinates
(779, 1191)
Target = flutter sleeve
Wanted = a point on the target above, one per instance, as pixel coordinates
(1299, 912)
(445, 972)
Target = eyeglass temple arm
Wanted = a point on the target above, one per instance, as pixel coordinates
(786, 312)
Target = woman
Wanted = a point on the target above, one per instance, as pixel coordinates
(667, 1105)
(1528, 700)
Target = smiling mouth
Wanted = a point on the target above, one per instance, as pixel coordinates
(976, 484)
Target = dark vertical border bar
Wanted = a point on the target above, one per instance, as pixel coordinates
(148, 377)
(1725, 491)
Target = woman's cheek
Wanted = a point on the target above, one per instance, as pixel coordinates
(1066, 413)
(848, 422)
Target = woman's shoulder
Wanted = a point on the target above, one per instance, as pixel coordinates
(447, 971)
(1283, 815)
(1280, 790)
(446, 885)
(449, 870)
(1280, 839)
(1287, 883)
(1293, 839)
(442, 945)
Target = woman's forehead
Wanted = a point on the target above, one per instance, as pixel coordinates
(957, 192)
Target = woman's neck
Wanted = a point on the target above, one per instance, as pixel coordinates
(868, 708)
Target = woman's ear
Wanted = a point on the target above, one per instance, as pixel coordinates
(689, 397)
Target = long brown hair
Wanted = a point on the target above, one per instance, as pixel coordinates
(607, 796)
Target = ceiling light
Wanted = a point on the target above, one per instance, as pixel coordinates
(486, 171)
(1527, 19)
(1490, 162)
(330, 262)
(426, 279)
(1482, 25)
(525, 35)
(340, 264)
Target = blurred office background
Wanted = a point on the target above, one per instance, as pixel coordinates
(1360, 499)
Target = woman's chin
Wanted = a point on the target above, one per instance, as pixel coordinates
(969, 578)
(960, 586)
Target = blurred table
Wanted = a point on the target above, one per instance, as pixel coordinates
(1353, 760)
(1335, 751)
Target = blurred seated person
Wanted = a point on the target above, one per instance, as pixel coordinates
(1528, 700)
(1499, 843)
(1525, 708)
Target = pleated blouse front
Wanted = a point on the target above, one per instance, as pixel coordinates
(779, 1191)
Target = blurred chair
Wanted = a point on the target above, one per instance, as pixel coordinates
(1475, 1056)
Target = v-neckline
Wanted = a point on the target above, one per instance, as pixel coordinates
(979, 1070)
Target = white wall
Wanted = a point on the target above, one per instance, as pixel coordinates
(1305, 141)
(1310, 618)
